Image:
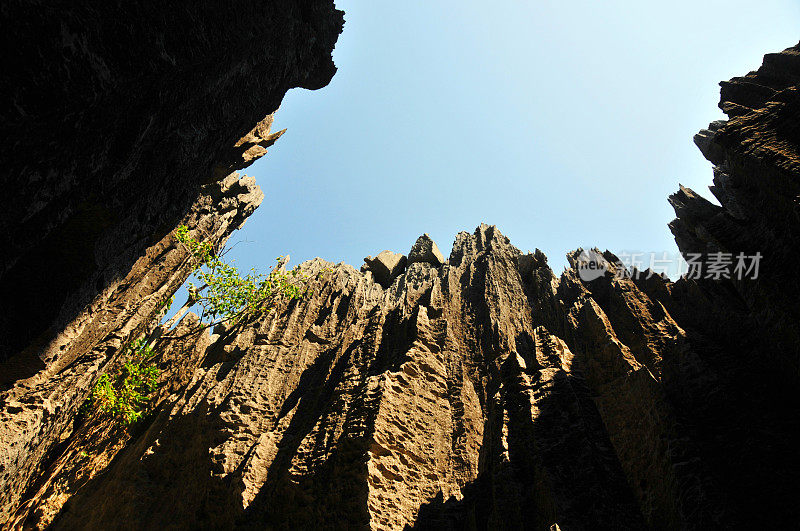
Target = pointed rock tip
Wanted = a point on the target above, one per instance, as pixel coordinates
(425, 250)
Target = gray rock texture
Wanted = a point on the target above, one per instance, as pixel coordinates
(426, 251)
(121, 122)
(385, 267)
(488, 390)
(115, 114)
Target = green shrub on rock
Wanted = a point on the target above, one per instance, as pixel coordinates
(124, 394)
(227, 295)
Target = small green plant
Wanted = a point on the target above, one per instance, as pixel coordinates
(124, 395)
(226, 295)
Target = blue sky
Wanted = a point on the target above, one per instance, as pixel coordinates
(565, 124)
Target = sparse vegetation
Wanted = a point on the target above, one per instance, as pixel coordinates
(124, 395)
(225, 294)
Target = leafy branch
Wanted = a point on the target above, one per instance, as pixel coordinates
(227, 295)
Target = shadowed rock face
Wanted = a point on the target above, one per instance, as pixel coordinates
(123, 121)
(37, 413)
(117, 113)
(485, 392)
(751, 326)
(757, 182)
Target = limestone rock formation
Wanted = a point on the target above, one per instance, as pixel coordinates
(486, 393)
(123, 121)
(116, 114)
(749, 421)
(388, 265)
(480, 392)
(385, 267)
(38, 412)
(425, 250)
(360, 404)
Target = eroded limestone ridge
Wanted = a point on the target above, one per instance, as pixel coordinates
(122, 121)
(483, 390)
(756, 158)
(486, 376)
